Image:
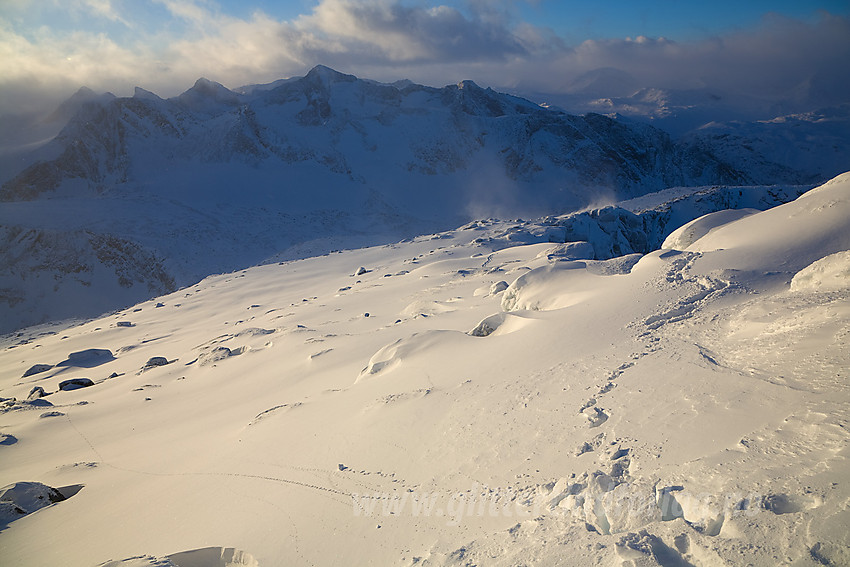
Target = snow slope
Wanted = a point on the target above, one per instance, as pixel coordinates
(75, 270)
(453, 401)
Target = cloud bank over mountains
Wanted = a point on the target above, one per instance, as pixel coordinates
(115, 49)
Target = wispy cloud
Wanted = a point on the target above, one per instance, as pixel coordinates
(103, 9)
(390, 39)
(196, 12)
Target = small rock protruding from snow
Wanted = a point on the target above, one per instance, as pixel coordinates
(35, 393)
(155, 361)
(49, 414)
(88, 358)
(37, 369)
(22, 498)
(361, 271)
(488, 325)
(75, 384)
(498, 287)
(217, 354)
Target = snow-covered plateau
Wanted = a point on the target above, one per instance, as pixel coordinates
(507, 393)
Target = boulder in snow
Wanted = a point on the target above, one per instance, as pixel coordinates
(498, 287)
(35, 393)
(217, 354)
(88, 358)
(75, 384)
(37, 369)
(22, 498)
(155, 361)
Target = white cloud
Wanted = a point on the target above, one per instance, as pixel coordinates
(197, 12)
(103, 9)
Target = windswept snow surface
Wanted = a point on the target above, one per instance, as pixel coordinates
(74, 270)
(458, 402)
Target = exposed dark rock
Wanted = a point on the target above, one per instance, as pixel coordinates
(75, 384)
(37, 369)
(35, 393)
(155, 361)
(22, 498)
(88, 358)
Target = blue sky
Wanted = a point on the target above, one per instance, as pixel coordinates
(49, 48)
(577, 21)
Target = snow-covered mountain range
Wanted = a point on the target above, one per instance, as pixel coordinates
(138, 196)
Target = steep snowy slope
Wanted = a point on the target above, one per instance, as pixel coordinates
(450, 401)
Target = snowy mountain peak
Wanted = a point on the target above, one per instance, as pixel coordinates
(327, 76)
(143, 94)
(83, 93)
(76, 101)
(208, 96)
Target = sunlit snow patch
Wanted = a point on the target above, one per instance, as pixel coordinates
(827, 274)
(500, 324)
(690, 232)
(393, 354)
(550, 287)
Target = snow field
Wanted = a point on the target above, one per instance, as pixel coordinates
(684, 407)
